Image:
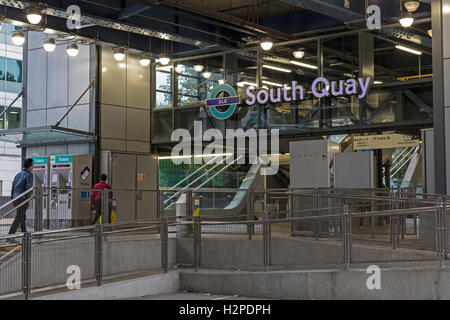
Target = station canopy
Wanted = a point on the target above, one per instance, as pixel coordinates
(45, 135)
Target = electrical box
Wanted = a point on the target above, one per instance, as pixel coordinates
(353, 170)
(311, 167)
(311, 163)
(134, 179)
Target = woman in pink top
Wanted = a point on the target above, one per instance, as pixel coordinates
(96, 198)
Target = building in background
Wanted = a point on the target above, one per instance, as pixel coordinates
(10, 86)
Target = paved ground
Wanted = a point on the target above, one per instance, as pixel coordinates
(192, 296)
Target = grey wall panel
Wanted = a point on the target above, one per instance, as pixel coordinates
(79, 75)
(78, 148)
(138, 125)
(57, 150)
(354, 170)
(55, 114)
(112, 144)
(123, 171)
(36, 152)
(57, 82)
(35, 39)
(36, 118)
(137, 146)
(447, 150)
(78, 118)
(113, 79)
(428, 160)
(126, 205)
(113, 122)
(147, 165)
(138, 84)
(37, 80)
(446, 28)
(447, 81)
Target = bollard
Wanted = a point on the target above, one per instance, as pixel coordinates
(347, 224)
(164, 236)
(197, 242)
(98, 258)
(26, 264)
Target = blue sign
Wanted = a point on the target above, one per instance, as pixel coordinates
(231, 101)
(85, 173)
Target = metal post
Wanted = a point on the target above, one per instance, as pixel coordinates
(250, 213)
(265, 240)
(318, 224)
(105, 206)
(98, 259)
(347, 225)
(444, 230)
(38, 213)
(160, 196)
(26, 264)
(440, 231)
(197, 242)
(164, 235)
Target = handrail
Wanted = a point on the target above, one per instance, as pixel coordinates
(175, 194)
(15, 199)
(195, 172)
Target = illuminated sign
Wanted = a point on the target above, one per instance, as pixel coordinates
(321, 87)
(229, 102)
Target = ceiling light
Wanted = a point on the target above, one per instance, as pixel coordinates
(164, 59)
(144, 61)
(408, 50)
(378, 82)
(221, 81)
(119, 54)
(179, 68)
(206, 74)
(430, 33)
(34, 16)
(246, 83)
(18, 38)
(411, 5)
(72, 50)
(198, 68)
(298, 54)
(272, 83)
(277, 68)
(49, 44)
(266, 44)
(305, 65)
(406, 19)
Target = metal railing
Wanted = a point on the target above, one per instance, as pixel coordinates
(294, 229)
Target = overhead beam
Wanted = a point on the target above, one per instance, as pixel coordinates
(109, 23)
(134, 10)
(346, 15)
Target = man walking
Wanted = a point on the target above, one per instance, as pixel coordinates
(96, 198)
(22, 182)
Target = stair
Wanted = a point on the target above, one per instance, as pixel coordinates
(9, 251)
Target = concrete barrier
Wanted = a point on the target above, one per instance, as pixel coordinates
(429, 283)
(139, 287)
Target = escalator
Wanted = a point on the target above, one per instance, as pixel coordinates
(217, 201)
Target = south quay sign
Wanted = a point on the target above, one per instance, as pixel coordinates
(320, 88)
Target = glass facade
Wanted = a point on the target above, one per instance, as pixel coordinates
(11, 77)
(399, 92)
